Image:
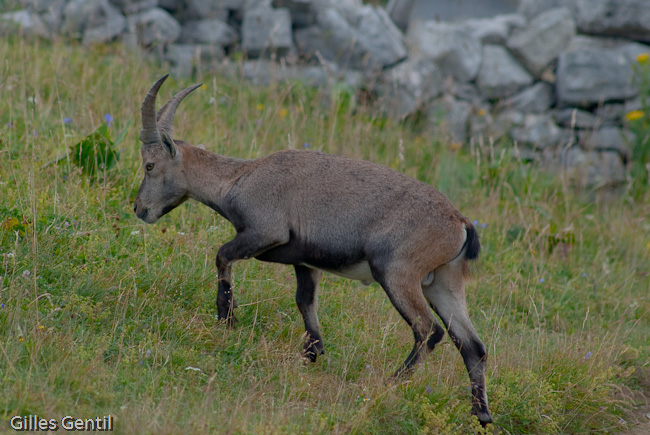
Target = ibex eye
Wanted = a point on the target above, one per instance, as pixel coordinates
(149, 166)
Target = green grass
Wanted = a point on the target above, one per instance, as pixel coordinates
(105, 315)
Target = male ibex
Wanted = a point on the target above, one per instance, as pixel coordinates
(320, 212)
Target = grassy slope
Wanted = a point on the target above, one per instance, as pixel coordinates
(103, 314)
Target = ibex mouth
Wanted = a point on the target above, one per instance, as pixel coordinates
(143, 214)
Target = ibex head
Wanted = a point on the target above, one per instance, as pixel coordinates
(164, 186)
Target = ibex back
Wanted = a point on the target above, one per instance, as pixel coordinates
(320, 212)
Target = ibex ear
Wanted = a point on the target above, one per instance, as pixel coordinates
(168, 143)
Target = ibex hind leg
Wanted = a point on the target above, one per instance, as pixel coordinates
(405, 292)
(307, 301)
(447, 297)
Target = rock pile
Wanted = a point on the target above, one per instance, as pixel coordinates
(558, 77)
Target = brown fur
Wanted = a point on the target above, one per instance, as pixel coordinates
(321, 212)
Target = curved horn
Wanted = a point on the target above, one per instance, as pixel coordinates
(166, 113)
(150, 133)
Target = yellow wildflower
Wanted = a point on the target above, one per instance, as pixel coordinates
(204, 87)
(260, 107)
(481, 112)
(283, 113)
(41, 327)
(634, 115)
(643, 58)
(455, 146)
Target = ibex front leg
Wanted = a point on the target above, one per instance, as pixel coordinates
(245, 245)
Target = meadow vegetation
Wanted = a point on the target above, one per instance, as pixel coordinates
(101, 314)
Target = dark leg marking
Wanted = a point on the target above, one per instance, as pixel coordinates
(306, 299)
(245, 245)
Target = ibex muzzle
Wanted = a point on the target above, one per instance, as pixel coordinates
(319, 212)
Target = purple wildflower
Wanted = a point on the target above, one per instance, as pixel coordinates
(306, 144)
(67, 120)
(475, 223)
(589, 355)
(2, 305)
(541, 280)
(483, 225)
(108, 118)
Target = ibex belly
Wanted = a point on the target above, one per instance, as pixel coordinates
(361, 272)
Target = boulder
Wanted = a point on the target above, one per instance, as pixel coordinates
(374, 43)
(538, 44)
(209, 31)
(572, 117)
(622, 18)
(186, 58)
(209, 9)
(23, 23)
(92, 21)
(537, 131)
(589, 77)
(505, 121)
(154, 26)
(456, 51)
(40, 6)
(400, 12)
(597, 43)
(50, 13)
(332, 37)
(303, 12)
(451, 117)
(129, 7)
(111, 29)
(537, 98)
(631, 106)
(407, 87)
(349, 9)
(264, 72)
(532, 8)
(464, 91)
(266, 32)
(609, 138)
(591, 168)
(171, 5)
(611, 113)
(381, 41)
(496, 29)
(500, 74)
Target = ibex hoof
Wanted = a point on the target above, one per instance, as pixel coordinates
(310, 353)
(484, 418)
(230, 320)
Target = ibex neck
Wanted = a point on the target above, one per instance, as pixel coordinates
(210, 176)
